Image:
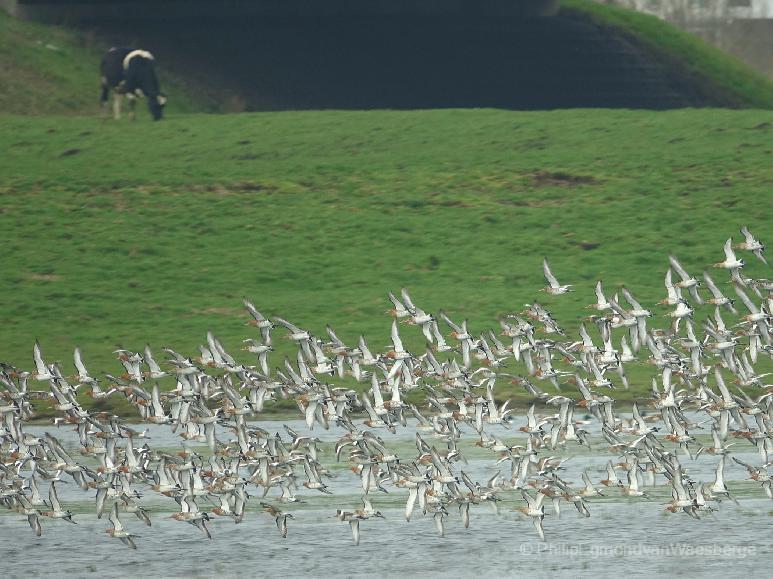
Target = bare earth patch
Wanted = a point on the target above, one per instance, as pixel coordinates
(561, 179)
(237, 312)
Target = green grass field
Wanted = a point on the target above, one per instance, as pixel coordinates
(121, 234)
(127, 233)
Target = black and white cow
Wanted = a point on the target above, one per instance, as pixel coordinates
(131, 73)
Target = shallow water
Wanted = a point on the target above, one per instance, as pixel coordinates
(631, 536)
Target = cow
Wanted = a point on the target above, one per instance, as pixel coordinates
(130, 72)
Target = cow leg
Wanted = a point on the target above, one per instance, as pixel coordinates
(117, 105)
(103, 109)
(132, 106)
(103, 98)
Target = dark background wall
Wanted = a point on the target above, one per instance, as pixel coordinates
(484, 53)
(410, 61)
(73, 10)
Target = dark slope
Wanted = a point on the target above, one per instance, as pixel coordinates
(419, 62)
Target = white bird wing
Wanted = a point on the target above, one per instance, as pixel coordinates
(720, 478)
(581, 386)
(319, 355)
(530, 418)
(35, 490)
(537, 521)
(58, 449)
(367, 505)
(38, 356)
(587, 341)
(441, 341)
(729, 253)
(369, 407)
(53, 498)
(673, 291)
(549, 274)
(754, 244)
(378, 399)
(151, 361)
(600, 297)
(158, 409)
(438, 463)
(355, 526)
(628, 296)
(396, 392)
(439, 523)
(113, 518)
(619, 310)
(396, 341)
(292, 327)
(486, 349)
(451, 324)
(413, 494)
(748, 237)
(192, 505)
(407, 299)
(163, 478)
(83, 374)
(722, 387)
(213, 348)
(253, 311)
(712, 286)
(746, 301)
(625, 347)
(184, 505)
(466, 354)
(131, 457)
(611, 475)
(633, 479)
(34, 522)
(400, 309)
(715, 437)
(426, 327)
(588, 484)
(638, 417)
(678, 267)
(334, 338)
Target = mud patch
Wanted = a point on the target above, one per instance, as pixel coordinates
(250, 186)
(215, 311)
(561, 179)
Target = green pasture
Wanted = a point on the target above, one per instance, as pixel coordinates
(118, 234)
(122, 234)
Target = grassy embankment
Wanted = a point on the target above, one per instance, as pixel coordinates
(51, 70)
(709, 70)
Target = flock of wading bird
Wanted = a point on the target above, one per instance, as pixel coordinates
(699, 371)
